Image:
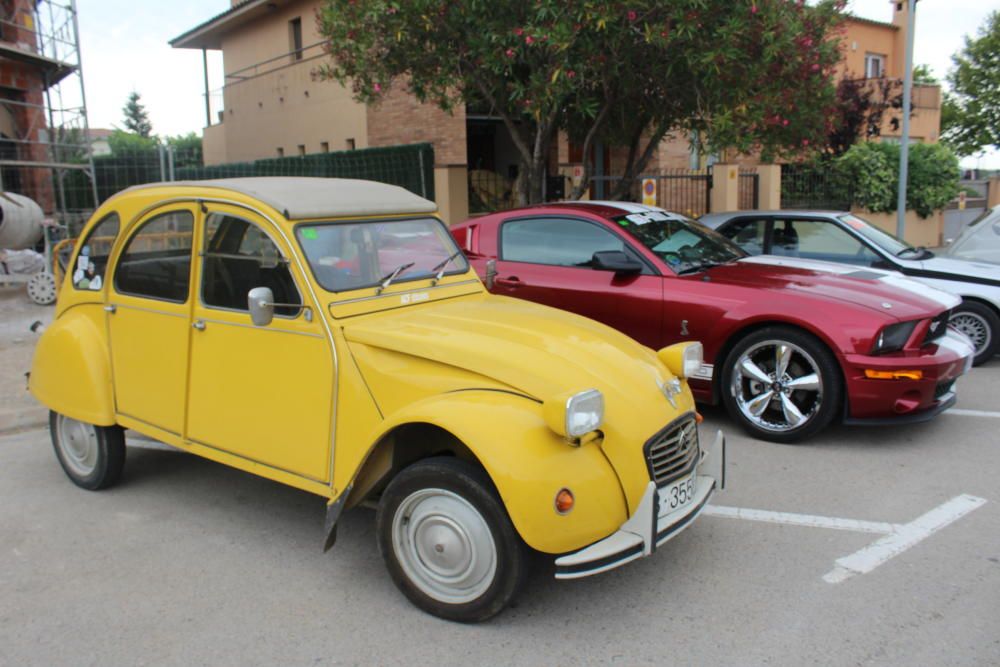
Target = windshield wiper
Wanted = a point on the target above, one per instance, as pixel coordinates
(438, 270)
(387, 279)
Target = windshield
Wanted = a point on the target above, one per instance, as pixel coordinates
(684, 245)
(352, 255)
(884, 240)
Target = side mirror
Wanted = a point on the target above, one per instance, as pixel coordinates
(491, 274)
(617, 261)
(260, 302)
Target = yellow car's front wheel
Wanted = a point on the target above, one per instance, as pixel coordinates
(448, 542)
(91, 456)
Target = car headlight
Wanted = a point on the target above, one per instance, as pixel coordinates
(575, 415)
(683, 359)
(893, 337)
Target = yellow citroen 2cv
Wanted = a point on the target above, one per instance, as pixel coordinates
(329, 334)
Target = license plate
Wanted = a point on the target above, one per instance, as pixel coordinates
(676, 495)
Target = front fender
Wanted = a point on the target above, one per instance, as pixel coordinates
(528, 464)
(71, 369)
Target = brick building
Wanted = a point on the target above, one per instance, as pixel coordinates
(272, 106)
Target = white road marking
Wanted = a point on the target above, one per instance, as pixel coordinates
(902, 538)
(973, 413)
(809, 520)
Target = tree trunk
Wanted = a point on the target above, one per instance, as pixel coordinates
(636, 167)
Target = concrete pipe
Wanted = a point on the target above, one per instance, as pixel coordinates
(20, 221)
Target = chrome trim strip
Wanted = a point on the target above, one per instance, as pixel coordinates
(128, 306)
(254, 461)
(256, 328)
(143, 421)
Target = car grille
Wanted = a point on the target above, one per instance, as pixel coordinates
(672, 452)
(942, 388)
(939, 325)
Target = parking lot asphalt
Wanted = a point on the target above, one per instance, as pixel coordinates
(188, 562)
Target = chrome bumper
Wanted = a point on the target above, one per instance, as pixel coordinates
(644, 531)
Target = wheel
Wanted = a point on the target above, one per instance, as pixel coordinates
(42, 288)
(91, 456)
(447, 540)
(781, 384)
(979, 323)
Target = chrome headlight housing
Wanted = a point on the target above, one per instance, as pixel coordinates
(575, 415)
(893, 337)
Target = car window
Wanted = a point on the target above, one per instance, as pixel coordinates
(156, 261)
(92, 260)
(747, 234)
(239, 256)
(555, 241)
(818, 239)
(351, 255)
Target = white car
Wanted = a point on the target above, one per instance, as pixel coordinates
(980, 240)
(839, 236)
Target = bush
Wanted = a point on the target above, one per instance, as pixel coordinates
(872, 169)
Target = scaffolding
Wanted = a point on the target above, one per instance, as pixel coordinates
(44, 134)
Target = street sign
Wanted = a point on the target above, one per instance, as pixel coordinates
(649, 191)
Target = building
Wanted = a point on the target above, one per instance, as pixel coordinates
(272, 106)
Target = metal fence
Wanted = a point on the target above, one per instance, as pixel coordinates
(411, 167)
(748, 190)
(684, 191)
(814, 186)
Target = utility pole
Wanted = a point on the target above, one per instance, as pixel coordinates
(904, 149)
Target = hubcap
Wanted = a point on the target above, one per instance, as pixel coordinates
(78, 445)
(777, 386)
(975, 327)
(444, 546)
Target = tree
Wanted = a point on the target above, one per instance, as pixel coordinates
(923, 76)
(742, 73)
(187, 149)
(861, 109)
(136, 118)
(971, 115)
(124, 143)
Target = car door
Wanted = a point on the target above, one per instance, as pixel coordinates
(548, 259)
(812, 238)
(149, 310)
(262, 393)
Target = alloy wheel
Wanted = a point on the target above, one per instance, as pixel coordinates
(778, 386)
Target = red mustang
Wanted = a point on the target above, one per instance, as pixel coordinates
(790, 345)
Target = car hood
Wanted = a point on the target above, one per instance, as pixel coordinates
(959, 269)
(862, 286)
(539, 351)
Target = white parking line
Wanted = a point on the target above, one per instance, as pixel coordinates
(973, 413)
(809, 520)
(901, 539)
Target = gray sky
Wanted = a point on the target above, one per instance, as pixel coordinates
(125, 48)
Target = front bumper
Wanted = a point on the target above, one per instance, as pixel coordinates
(874, 401)
(645, 531)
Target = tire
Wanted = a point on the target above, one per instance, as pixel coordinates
(799, 404)
(982, 325)
(455, 505)
(91, 456)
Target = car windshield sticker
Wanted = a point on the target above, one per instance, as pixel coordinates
(86, 276)
(650, 216)
(310, 234)
(854, 223)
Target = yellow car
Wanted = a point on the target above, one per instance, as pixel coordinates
(329, 334)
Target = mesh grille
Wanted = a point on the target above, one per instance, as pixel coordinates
(672, 452)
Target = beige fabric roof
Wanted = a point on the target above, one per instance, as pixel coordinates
(301, 197)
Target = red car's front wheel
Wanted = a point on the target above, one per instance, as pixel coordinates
(781, 384)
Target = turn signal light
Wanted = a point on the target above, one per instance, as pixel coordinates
(698, 417)
(893, 375)
(564, 501)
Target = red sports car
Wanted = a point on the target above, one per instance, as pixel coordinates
(789, 345)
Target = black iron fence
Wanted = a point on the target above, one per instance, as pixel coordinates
(748, 189)
(814, 186)
(684, 191)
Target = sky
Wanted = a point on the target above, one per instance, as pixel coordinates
(125, 48)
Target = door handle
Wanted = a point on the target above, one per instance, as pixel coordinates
(111, 308)
(199, 325)
(512, 282)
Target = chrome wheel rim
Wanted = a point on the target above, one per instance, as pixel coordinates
(975, 327)
(778, 386)
(444, 546)
(78, 445)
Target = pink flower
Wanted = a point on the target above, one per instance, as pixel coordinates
(632, 15)
(805, 142)
(571, 74)
(784, 123)
(518, 31)
(753, 9)
(377, 87)
(510, 53)
(815, 67)
(529, 40)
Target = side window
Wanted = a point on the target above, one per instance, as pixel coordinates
(555, 241)
(747, 234)
(239, 256)
(92, 260)
(817, 239)
(156, 261)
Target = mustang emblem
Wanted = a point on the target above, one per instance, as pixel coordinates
(684, 327)
(671, 389)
